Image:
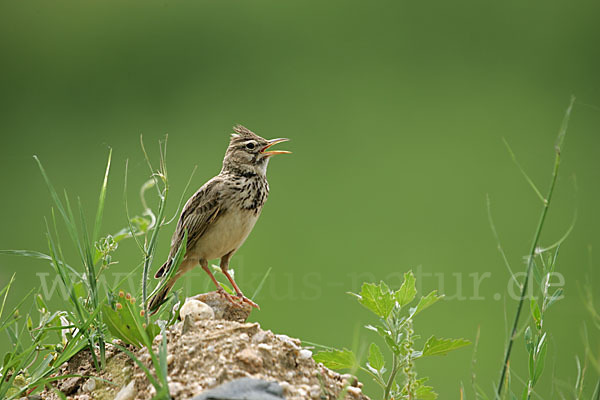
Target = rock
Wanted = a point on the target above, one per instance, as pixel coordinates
(244, 388)
(127, 392)
(70, 385)
(354, 391)
(251, 359)
(89, 385)
(197, 310)
(175, 388)
(349, 379)
(223, 309)
(305, 354)
(187, 325)
(259, 337)
(265, 347)
(294, 343)
(315, 392)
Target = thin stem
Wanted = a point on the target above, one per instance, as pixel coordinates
(393, 373)
(532, 253)
(558, 148)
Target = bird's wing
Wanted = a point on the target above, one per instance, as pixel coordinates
(199, 213)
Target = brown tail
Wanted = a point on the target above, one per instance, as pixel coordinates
(159, 298)
(162, 271)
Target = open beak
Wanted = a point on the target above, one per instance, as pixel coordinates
(273, 152)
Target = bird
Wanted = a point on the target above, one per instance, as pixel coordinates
(221, 214)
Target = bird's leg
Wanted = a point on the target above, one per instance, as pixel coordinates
(224, 266)
(222, 292)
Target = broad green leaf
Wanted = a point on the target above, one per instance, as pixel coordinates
(407, 291)
(535, 312)
(426, 393)
(425, 302)
(336, 359)
(377, 298)
(375, 357)
(439, 347)
(119, 328)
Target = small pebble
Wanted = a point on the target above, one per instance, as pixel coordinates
(251, 359)
(315, 392)
(350, 380)
(170, 359)
(259, 337)
(285, 386)
(175, 388)
(295, 343)
(305, 354)
(127, 393)
(356, 392)
(197, 310)
(210, 382)
(89, 385)
(264, 346)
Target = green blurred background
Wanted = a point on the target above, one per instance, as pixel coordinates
(396, 111)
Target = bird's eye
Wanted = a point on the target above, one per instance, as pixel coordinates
(250, 145)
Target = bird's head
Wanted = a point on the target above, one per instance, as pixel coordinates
(248, 152)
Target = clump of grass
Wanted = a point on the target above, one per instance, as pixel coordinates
(89, 318)
(541, 264)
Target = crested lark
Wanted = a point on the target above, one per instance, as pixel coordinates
(221, 214)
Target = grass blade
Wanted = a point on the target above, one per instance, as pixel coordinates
(260, 285)
(100, 210)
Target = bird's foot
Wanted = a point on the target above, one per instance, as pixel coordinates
(232, 299)
(246, 300)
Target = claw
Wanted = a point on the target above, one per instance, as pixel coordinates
(232, 299)
(246, 300)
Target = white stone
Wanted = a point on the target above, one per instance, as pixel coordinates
(89, 385)
(264, 346)
(127, 393)
(175, 388)
(295, 343)
(304, 354)
(259, 337)
(356, 392)
(315, 392)
(197, 310)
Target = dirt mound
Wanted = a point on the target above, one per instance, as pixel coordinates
(204, 353)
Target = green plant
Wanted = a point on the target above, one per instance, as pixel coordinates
(126, 321)
(536, 339)
(89, 317)
(396, 328)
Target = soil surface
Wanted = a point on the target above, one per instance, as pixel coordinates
(204, 353)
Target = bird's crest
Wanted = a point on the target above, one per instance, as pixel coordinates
(242, 132)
